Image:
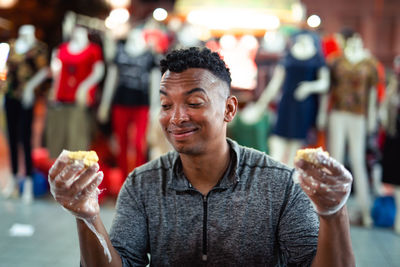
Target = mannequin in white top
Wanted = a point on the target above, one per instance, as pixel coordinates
(352, 127)
(284, 149)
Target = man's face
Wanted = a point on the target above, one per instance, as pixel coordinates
(194, 110)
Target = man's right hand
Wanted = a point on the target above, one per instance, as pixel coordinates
(74, 186)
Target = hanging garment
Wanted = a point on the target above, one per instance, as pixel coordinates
(21, 68)
(390, 159)
(295, 118)
(75, 69)
(131, 101)
(133, 77)
(351, 84)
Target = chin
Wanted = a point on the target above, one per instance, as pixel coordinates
(187, 149)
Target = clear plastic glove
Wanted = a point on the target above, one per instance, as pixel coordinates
(327, 183)
(74, 186)
(303, 90)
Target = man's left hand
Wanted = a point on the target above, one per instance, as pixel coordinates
(327, 183)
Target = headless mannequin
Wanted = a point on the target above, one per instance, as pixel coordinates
(73, 109)
(352, 127)
(130, 111)
(284, 149)
(21, 112)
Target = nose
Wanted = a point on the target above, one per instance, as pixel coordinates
(179, 115)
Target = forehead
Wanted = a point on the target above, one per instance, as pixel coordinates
(189, 79)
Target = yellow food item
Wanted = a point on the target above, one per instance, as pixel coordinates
(310, 154)
(88, 157)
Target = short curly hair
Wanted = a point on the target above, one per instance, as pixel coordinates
(195, 57)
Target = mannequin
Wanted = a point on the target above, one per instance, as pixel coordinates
(302, 75)
(77, 68)
(353, 114)
(27, 69)
(126, 95)
(390, 117)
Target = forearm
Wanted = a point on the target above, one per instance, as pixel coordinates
(92, 252)
(334, 242)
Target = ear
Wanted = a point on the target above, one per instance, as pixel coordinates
(230, 108)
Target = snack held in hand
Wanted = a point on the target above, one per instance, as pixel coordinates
(88, 157)
(326, 182)
(310, 154)
(73, 181)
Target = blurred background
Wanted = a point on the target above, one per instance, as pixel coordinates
(83, 75)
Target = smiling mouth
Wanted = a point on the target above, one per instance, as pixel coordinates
(181, 133)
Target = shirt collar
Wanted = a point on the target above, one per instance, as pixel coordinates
(179, 181)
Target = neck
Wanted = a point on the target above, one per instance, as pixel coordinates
(355, 55)
(77, 45)
(205, 171)
(303, 51)
(22, 45)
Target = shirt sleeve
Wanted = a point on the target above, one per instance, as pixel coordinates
(298, 228)
(97, 54)
(129, 234)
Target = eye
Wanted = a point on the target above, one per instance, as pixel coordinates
(165, 106)
(193, 105)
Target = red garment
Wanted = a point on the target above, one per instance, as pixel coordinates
(330, 46)
(380, 86)
(75, 69)
(122, 118)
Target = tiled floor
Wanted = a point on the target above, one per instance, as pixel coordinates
(55, 242)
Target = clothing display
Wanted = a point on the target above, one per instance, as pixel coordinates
(122, 118)
(68, 127)
(351, 84)
(66, 120)
(21, 68)
(75, 69)
(131, 101)
(252, 135)
(295, 118)
(159, 212)
(390, 160)
(19, 127)
(133, 77)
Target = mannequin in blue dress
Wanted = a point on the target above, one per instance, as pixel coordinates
(301, 75)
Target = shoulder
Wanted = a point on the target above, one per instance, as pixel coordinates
(256, 164)
(155, 170)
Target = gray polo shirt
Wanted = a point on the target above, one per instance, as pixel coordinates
(255, 216)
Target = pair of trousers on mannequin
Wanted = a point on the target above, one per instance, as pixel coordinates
(345, 126)
(19, 126)
(124, 117)
(68, 127)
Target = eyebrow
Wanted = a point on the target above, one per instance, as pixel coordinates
(197, 89)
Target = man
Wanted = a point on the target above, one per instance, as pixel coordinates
(211, 202)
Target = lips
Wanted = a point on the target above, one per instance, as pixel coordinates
(182, 133)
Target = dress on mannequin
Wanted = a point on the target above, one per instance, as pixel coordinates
(301, 75)
(127, 94)
(27, 68)
(352, 114)
(77, 69)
